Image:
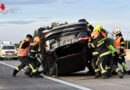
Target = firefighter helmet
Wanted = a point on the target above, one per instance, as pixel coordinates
(98, 28)
(116, 31)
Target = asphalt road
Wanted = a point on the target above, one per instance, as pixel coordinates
(24, 83)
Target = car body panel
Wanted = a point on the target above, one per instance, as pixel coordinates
(65, 46)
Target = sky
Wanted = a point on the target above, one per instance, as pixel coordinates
(25, 16)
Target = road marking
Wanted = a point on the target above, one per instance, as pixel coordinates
(57, 80)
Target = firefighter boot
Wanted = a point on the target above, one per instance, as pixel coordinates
(129, 72)
(120, 74)
(106, 75)
(28, 72)
(14, 73)
(97, 74)
(37, 75)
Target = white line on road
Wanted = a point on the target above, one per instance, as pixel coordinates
(57, 80)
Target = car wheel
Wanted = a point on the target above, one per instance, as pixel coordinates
(1, 58)
(15, 58)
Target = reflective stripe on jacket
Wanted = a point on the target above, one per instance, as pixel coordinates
(118, 46)
(23, 52)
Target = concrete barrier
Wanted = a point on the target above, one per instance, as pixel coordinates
(127, 57)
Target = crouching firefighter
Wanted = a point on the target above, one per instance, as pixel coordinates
(34, 54)
(115, 56)
(101, 55)
(23, 52)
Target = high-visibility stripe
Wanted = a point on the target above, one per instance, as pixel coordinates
(106, 53)
(107, 67)
(101, 40)
(3, 56)
(23, 50)
(110, 47)
(122, 42)
(92, 45)
(88, 25)
(97, 61)
(96, 70)
(122, 47)
(124, 66)
(113, 54)
(37, 68)
(123, 54)
(118, 47)
(124, 50)
(117, 69)
(17, 69)
(117, 50)
(100, 44)
(33, 51)
(33, 70)
(22, 53)
(95, 53)
(102, 70)
(36, 55)
(120, 57)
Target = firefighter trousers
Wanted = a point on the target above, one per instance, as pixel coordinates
(102, 62)
(25, 61)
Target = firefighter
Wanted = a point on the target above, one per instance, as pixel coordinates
(112, 66)
(102, 56)
(120, 47)
(23, 56)
(34, 54)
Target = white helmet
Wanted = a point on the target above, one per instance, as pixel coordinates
(116, 31)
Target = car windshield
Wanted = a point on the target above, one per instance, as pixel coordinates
(8, 47)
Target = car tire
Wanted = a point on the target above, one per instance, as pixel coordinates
(1, 58)
(15, 58)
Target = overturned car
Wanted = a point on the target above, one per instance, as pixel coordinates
(64, 49)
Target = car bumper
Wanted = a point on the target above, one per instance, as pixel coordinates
(9, 56)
